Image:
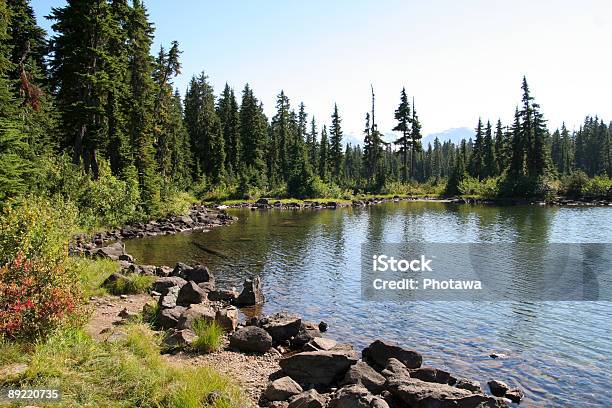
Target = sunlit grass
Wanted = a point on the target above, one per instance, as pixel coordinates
(210, 336)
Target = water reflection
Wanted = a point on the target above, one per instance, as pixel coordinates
(310, 263)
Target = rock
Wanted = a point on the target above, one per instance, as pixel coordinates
(282, 326)
(308, 399)
(180, 338)
(323, 327)
(379, 352)
(395, 368)
(198, 274)
(168, 318)
(113, 251)
(116, 337)
(498, 388)
(317, 367)
(123, 297)
(431, 374)
(282, 389)
(420, 394)
(227, 318)
(223, 295)
(179, 270)
(251, 294)
(361, 373)
(163, 271)
(320, 343)
(307, 332)
(163, 284)
(251, 339)
(189, 294)
(515, 395)
(207, 287)
(278, 404)
(116, 277)
(470, 385)
(199, 311)
(263, 201)
(127, 258)
(501, 356)
(168, 300)
(127, 314)
(353, 396)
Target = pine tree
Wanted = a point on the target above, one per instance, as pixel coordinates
(281, 137)
(335, 144)
(477, 159)
(253, 138)
(227, 109)
(205, 131)
(312, 143)
(404, 122)
(415, 136)
(324, 156)
(489, 160)
(501, 148)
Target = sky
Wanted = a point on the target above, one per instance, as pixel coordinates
(460, 60)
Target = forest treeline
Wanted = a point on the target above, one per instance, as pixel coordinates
(91, 114)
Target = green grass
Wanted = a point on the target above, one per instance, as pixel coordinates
(210, 336)
(136, 284)
(91, 273)
(131, 373)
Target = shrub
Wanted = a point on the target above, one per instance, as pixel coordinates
(133, 285)
(574, 183)
(210, 335)
(487, 188)
(598, 187)
(37, 291)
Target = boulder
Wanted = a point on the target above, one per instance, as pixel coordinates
(282, 326)
(195, 312)
(515, 395)
(320, 343)
(317, 367)
(117, 277)
(168, 318)
(420, 394)
(278, 404)
(163, 284)
(431, 374)
(323, 326)
(395, 368)
(251, 294)
(282, 389)
(498, 388)
(308, 399)
(163, 271)
(223, 295)
(180, 338)
(227, 318)
(168, 300)
(263, 201)
(379, 352)
(113, 251)
(307, 332)
(355, 396)
(198, 274)
(179, 270)
(251, 339)
(190, 293)
(207, 287)
(363, 374)
(470, 385)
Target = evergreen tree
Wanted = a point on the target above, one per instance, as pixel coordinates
(312, 144)
(488, 160)
(415, 136)
(335, 144)
(477, 158)
(324, 156)
(253, 138)
(501, 148)
(404, 120)
(204, 128)
(227, 109)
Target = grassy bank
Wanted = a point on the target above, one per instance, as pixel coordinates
(127, 373)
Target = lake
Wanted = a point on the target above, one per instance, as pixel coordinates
(310, 264)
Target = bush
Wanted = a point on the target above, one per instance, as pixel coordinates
(133, 285)
(487, 188)
(598, 187)
(210, 336)
(37, 291)
(574, 183)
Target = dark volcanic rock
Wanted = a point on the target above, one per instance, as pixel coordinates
(180, 338)
(251, 339)
(420, 394)
(223, 295)
(379, 352)
(168, 318)
(113, 251)
(317, 367)
(190, 293)
(308, 399)
(431, 374)
(195, 312)
(282, 326)
(361, 373)
(307, 332)
(515, 395)
(281, 389)
(498, 388)
(116, 277)
(470, 385)
(320, 343)
(198, 274)
(162, 284)
(356, 396)
(227, 318)
(395, 368)
(251, 294)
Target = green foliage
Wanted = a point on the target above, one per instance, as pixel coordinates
(135, 284)
(91, 273)
(578, 185)
(130, 373)
(487, 188)
(37, 291)
(209, 336)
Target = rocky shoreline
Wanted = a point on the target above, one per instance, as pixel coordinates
(268, 204)
(306, 369)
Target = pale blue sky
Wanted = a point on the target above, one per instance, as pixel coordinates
(459, 59)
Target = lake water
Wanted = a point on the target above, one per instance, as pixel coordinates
(558, 352)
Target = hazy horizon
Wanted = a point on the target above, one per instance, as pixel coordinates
(458, 60)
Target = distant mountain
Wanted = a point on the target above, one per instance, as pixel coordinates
(454, 135)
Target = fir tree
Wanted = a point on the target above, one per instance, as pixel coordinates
(324, 156)
(335, 144)
(404, 121)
